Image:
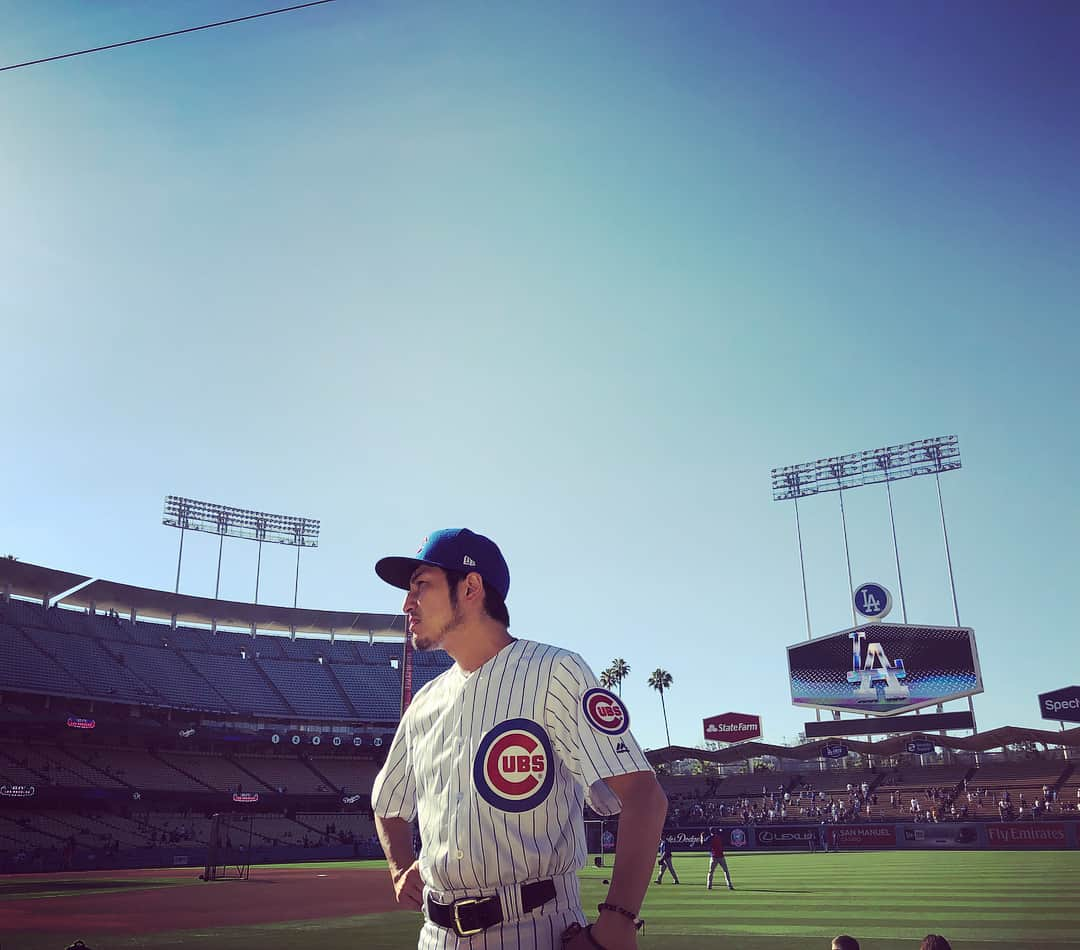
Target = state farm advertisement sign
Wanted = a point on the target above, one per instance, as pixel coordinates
(1027, 834)
(861, 836)
(733, 727)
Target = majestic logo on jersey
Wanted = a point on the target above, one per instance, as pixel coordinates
(605, 712)
(514, 768)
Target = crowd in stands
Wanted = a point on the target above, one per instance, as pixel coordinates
(871, 796)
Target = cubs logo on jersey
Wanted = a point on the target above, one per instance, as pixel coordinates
(514, 769)
(605, 712)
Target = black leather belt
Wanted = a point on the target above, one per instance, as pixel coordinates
(470, 915)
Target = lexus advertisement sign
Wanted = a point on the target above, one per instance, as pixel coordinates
(786, 836)
(1062, 705)
(733, 727)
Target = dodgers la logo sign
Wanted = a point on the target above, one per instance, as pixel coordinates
(605, 712)
(514, 768)
(872, 600)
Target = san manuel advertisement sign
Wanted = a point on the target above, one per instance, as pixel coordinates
(861, 836)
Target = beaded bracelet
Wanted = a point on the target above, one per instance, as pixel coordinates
(628, 914)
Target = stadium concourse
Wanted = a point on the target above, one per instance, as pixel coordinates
(129, 717)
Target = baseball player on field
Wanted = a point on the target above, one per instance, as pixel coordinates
(663, 861)
(495, 759)
(716, 857)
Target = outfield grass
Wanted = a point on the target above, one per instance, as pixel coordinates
(888, 900)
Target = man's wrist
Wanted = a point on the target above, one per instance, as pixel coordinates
(611, 928)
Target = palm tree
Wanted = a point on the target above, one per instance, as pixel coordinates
(607, 679)
(661, 680)
(620, 669)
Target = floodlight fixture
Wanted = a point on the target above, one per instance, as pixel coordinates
(191, 515)
(188, 514)
(888, 464)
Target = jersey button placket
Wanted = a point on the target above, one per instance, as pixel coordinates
(455, 793)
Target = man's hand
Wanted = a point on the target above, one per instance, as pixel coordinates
(620, 938)
(409, 887)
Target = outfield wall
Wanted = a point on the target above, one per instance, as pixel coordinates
(184, 855)
(945, 836)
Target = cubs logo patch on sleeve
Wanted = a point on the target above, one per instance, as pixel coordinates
(605, 712)
(514, 769)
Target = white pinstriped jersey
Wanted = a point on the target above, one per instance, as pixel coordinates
(498, 763)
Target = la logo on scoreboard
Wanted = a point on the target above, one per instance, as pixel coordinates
(882, 669)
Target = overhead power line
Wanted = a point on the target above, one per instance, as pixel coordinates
(161, 36)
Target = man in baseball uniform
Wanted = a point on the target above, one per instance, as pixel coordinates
(663, 861)
(495, 759)
(716, 857)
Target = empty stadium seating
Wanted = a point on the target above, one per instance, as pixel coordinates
(66, 652)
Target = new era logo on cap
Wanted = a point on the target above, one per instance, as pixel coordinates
(468, 561)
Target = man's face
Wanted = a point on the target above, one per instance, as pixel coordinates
(431, 615)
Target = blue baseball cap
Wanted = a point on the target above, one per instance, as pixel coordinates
(452, 549)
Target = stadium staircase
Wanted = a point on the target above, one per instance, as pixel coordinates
(39, 776)
(341, 692)
(319, 832)
(880, 779)
(243, 768)
(86, 691)
(1066, 774)
(37, 830)
(184, 772)
(311, 765)
(209, 686)
(113, 651)
(270, 685)
(100, 771)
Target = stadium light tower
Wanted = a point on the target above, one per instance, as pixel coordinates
(888, 464)
(187, 514)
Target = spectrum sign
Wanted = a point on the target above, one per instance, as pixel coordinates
(1061, 704)
(732, 727)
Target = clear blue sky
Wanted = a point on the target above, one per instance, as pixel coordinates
(574, 275)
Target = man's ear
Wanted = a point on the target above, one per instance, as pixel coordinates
(474, 588)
